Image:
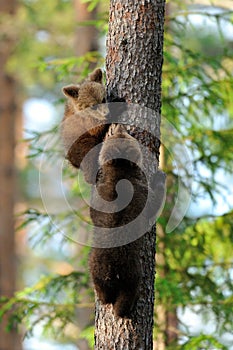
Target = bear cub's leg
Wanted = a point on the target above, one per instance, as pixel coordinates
(116, 274)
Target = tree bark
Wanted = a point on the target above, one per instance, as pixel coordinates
(8, 111)
(134, 67)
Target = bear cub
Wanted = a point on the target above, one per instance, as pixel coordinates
(84, 123)
(114, 261)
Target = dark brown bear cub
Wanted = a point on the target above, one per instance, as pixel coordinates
(116, 269)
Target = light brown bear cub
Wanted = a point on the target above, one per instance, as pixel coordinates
(84, 124)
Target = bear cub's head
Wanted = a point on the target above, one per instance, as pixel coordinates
(88, 94)
(121, 147)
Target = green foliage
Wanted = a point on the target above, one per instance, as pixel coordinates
(52, 302)
(197, 100)
(92, 4)
(198, 269)
(48, 26)
(197, 90)
(202, 342)
(87, 334)
(68, 66)
(43, 54)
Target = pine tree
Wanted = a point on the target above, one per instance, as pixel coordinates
(134, 66)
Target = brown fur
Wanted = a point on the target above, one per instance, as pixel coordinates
(116, 274)
(84, 123)
(116, 271)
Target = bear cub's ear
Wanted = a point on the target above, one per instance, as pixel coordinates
(96, 76)
(71, 91)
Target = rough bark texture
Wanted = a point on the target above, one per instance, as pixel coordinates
(134, 65)
(8, 341)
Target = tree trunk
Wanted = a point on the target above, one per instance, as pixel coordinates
(8, 110)
(134, 66)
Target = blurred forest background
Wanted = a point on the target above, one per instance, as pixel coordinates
(46, 294)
